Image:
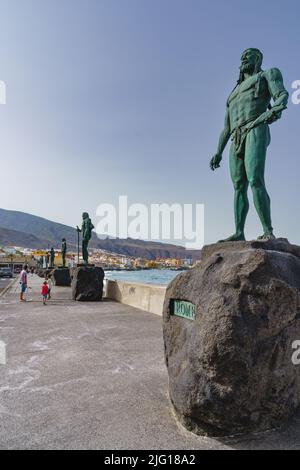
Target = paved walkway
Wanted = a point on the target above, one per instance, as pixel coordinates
(4, 283)
(92, 376)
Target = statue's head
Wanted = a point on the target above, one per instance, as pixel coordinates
(63, 240)
(251, 61)
(85, 215)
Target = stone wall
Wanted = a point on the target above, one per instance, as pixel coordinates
(143, 296)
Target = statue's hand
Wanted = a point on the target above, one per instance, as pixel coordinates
(272, 116)
(215, 162)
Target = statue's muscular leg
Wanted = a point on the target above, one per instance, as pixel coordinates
(257, 143)
(85, 254)
(241, 203)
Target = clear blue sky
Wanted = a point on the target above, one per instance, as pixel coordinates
(109, 97)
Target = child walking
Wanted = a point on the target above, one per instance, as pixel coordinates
(49, 282)
(45, 291)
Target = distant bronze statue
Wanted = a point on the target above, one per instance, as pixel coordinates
(63, 251)
(86, 230)
(47, 259)
(249, 113)
(52, 257)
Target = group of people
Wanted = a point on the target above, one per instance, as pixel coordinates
(45, 290)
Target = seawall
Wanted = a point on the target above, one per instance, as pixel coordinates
(146, 297)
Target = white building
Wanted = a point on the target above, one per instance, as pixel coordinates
(10, 250)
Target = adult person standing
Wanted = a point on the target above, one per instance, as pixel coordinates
(23, 282)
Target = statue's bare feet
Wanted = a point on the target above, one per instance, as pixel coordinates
(267, 236)
(236, 237)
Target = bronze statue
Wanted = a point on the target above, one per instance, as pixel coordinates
(86, 230)
(63, 251)
(52, 257)
(47, 258)
(249, 113)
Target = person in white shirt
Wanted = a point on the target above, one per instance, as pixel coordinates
(23, 282)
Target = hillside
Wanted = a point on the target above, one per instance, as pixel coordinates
(16, 238)
(146, 249)
(37, 232)
(42, 228)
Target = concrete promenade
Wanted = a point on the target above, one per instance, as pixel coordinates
(92, 376)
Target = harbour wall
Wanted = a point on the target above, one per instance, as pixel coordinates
(146, 297)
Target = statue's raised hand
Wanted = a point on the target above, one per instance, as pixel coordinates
(215, 162)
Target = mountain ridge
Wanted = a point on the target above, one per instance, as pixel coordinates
(22, 239)
(38, 230)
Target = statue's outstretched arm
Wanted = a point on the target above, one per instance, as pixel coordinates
(224, 137)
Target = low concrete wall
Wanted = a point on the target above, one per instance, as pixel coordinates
(143, 296)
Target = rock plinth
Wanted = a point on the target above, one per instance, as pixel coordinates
(230, 368)
(44, 272)
(61, 277)
(87, 283)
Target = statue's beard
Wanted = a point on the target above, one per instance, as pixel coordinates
(247, 68)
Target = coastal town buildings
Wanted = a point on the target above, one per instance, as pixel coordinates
(13, 255)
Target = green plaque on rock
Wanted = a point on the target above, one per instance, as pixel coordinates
(184, 309)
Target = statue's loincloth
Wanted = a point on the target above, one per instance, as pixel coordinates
(239, 134)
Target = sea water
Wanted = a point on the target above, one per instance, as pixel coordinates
(152, 276)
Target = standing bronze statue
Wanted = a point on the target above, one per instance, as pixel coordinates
(249, 113)
(63, 251)
(47, 258)
(86, 230)
(52, 257)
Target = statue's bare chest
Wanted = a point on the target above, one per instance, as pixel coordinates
(249, 99)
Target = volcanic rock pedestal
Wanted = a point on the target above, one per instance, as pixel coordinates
(61, 277)
(44, 272)
(87, 283)
(229, 328)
